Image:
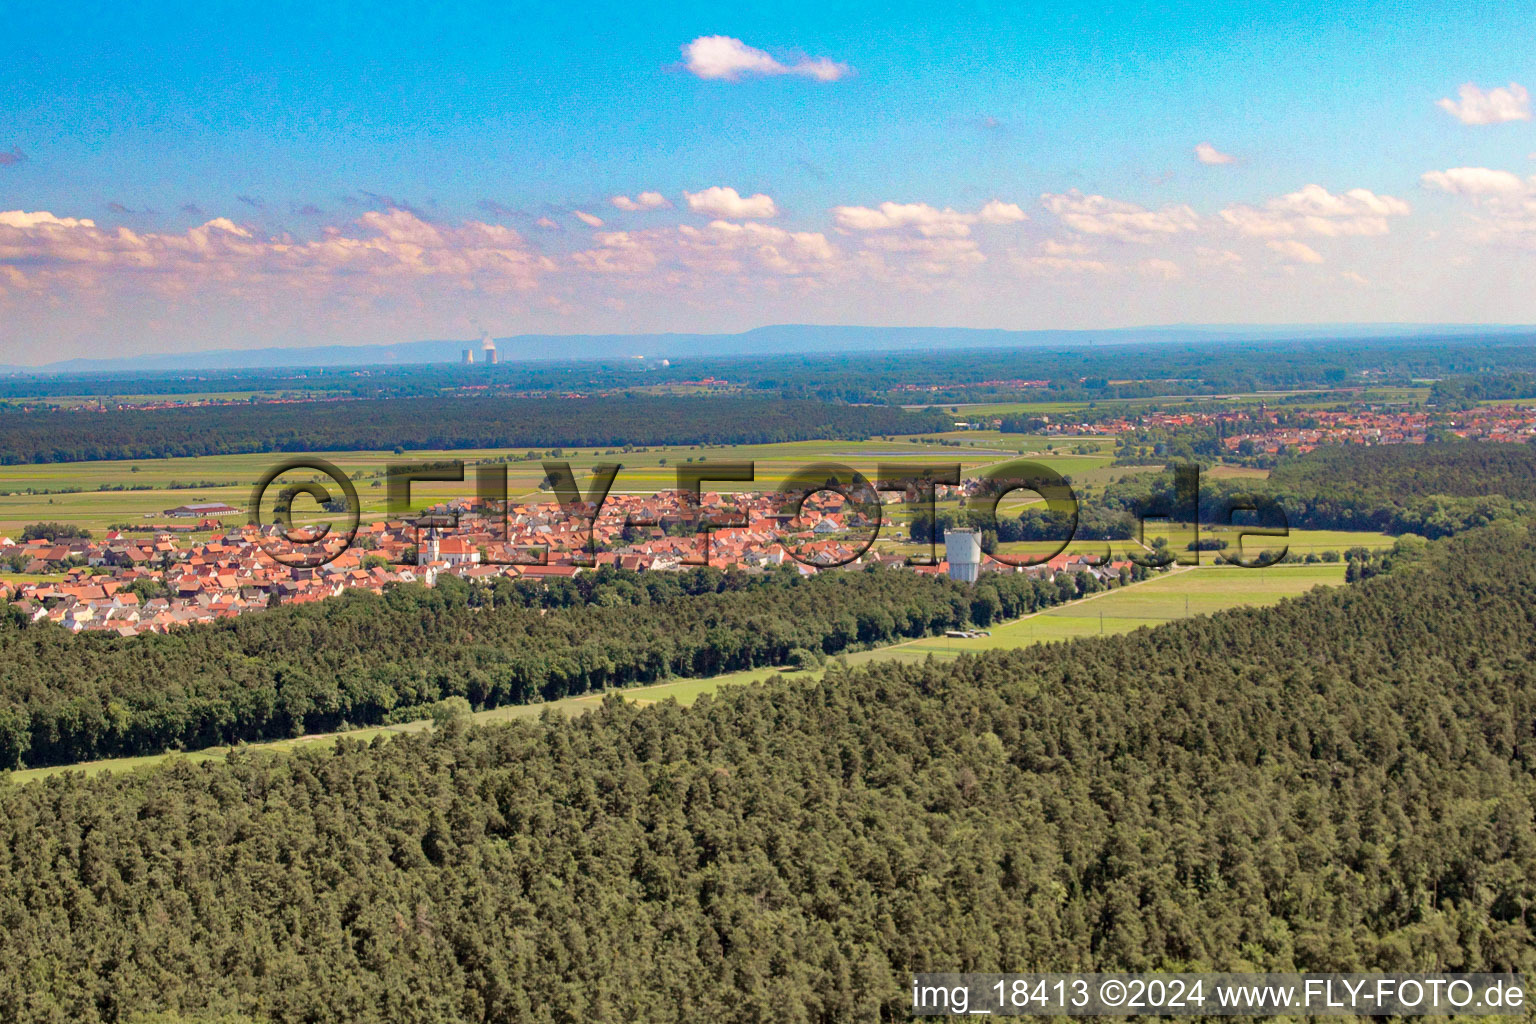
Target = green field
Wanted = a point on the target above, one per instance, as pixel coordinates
(1304, 542)
(180, 399)
(1298, 542)
(1161, 599)
(1175, 595)
(1234, 473)
(231, 477)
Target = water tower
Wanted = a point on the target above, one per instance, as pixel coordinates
(962, 549)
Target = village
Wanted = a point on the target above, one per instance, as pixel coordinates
(126, 584)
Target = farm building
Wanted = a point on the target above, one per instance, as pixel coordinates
(206, 509)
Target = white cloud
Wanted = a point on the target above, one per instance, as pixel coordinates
(777, 250)
(1505, 202)
(913, 243)
(1294, 251)
(23, 219)
(381, 244)
(1472, 181)
(588, 219)
(1354, 278)
(643, 201)
(995, 211)
(1166, 270)
(726, 202)
(1113, 218)
(222, 224)
(729, 59)
(1209, 154)
(926, 220)
(618, 252)
(1314, 210)
(721, 248)
(547, 224)
(1508, 103)
(750, 255)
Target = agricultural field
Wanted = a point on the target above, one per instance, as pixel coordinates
(140, 491)
(1298, 542)
(171, 398)
(1225, 472)
(1382, 395)
(1035, 444)
(1163, 598)
(1306, 542)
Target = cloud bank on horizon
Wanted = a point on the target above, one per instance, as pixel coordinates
(760, 181)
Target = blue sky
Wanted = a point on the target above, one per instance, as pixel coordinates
(293, 174)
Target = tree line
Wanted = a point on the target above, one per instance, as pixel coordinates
(46, 436)
(366, 658)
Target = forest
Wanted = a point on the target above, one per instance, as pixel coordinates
(47, 436)
(1343, 782)
(1459, 469)
(1433, 490)
(1467, 391)
(364, 658)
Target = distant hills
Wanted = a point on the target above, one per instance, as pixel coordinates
(782, 339)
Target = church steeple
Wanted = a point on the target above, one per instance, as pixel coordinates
(428, 552)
